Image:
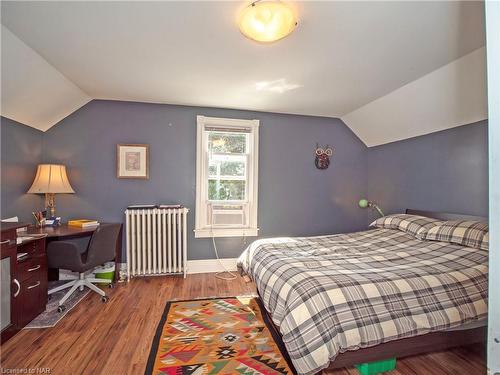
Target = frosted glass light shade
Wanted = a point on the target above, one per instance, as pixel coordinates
(52, 179)
(267, 21)
(363, 203)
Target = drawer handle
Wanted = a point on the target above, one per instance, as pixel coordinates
(34, 285)
(15, 281)
(5, 241)
(34, 268)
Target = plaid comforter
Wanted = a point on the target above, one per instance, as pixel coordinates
(330, 294)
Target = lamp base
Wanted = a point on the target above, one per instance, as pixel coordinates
(50, 204)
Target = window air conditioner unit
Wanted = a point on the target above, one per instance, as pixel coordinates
(227, 215)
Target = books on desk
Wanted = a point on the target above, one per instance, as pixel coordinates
(83, 223)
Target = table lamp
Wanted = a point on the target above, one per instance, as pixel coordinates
(364, 203)
(51, 179)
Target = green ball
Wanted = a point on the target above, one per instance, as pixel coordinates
(363, 203)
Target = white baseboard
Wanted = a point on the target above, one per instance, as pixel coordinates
(202, 266)
(211, 265)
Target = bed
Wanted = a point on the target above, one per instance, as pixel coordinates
(344, 299)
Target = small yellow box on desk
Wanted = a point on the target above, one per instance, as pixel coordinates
(83, 223)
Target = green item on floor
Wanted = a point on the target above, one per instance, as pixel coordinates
(105, 272)
(377, 367)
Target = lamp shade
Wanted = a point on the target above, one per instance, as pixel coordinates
(363, 203)
(52, 179)
(267, 21)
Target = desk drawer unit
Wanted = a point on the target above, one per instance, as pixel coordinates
(32, 298)
(36, 247)
(8, 252)
(24, 280)
(31, 273)
(27, 268)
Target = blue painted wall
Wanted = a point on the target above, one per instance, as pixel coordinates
(443, 171)
(295, 198)
(21, 152)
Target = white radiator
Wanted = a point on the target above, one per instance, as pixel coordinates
(156, 241)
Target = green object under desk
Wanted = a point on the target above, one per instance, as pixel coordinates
(378, 367)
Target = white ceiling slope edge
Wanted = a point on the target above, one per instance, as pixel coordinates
(451, 96)
(33, 91)
(343, 55)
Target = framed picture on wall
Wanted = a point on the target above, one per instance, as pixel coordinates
(132, 161)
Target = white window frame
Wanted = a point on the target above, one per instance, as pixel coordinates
(202, 228)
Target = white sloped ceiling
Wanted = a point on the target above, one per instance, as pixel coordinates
(451, 96)
(34, 92)
(369, 63)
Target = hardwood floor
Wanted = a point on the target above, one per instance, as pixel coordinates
(115, 338)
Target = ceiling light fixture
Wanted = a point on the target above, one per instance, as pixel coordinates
(267, 21)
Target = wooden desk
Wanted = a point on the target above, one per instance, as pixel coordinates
(66, 232)
(63, 231)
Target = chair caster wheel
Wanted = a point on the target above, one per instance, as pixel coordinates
(104, 299)
(111, 286)
(61, 308)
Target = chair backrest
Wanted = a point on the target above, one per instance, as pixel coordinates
(102, 245)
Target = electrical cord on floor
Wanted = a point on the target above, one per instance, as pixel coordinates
(218, 275)
(232, 276)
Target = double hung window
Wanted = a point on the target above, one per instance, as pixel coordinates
(226, 175)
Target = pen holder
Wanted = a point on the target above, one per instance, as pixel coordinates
(40, 224)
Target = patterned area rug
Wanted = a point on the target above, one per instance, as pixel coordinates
(51, 316)
(217, 336)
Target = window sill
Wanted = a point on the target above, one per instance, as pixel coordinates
(226, 232)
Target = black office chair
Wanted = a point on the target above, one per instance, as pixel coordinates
(66, 255)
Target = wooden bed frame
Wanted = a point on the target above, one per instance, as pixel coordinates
(430, 342)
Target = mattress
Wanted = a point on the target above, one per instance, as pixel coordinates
(471, 325)
(331, 294)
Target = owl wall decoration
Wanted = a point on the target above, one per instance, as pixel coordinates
(322, 160)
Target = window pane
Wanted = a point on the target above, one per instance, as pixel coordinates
(233, 143)
(227, 168)
(212, 169)
(225, 190)
(227, 165)
(232, 168)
